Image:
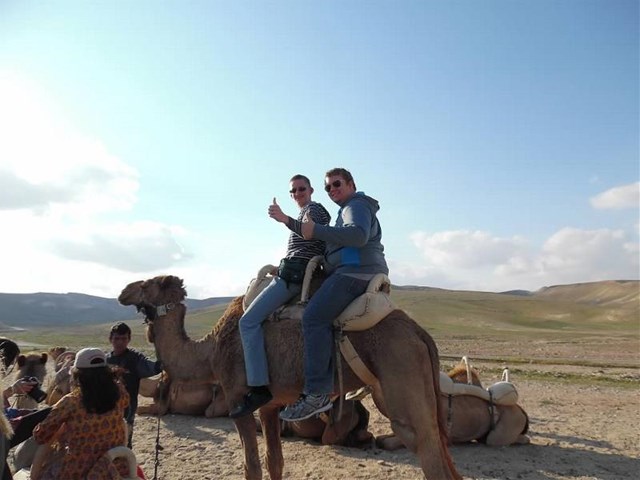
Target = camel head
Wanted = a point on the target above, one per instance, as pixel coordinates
(460, 373)
(148, 295)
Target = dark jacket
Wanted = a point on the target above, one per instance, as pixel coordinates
(136, 366)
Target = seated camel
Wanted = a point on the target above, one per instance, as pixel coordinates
(61, 385)
(199, 398)
(472, 417)
(182, 396)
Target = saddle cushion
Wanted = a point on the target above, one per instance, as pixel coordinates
(257, 285)
(503, 393)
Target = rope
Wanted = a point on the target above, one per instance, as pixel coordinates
(337, 335)
(158, 448)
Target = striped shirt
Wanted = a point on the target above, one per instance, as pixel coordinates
(297, 246)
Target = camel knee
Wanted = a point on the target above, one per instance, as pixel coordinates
(389, 442)
(406, 433)
(500, 439)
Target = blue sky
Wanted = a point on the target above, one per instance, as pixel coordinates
(142, 138)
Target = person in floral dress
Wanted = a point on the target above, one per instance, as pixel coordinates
(87, 422)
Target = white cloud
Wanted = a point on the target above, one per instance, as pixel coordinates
(476, 260)
(47, 164)
(56, 184)
(625, 196)
(132, 247)
(463, 248)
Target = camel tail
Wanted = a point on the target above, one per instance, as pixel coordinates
(442, 414)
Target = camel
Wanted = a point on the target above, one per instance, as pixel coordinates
(181, 396)
(349, 430)
(470, 417)
(208, 399)
(397, 350)
(61, 384)
(32, 364)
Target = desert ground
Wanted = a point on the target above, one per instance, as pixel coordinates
(584, 424)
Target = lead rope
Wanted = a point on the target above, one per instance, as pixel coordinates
(337, 336)
(159, 447)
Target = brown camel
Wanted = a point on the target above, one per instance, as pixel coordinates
(182, 397)
(397, 350)
(32, 364)
(470, 418)
(61, 384)
(189, 398)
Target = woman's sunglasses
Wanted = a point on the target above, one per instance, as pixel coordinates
(334, 184)
(299, 189)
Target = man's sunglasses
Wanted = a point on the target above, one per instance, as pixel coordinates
(299, 189)
(334, 184)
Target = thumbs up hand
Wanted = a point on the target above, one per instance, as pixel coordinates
(276, 213)
(307, 227)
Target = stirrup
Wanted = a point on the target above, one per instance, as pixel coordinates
(359, 394)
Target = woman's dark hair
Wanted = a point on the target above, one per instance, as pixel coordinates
(9, 350)
(100, 393)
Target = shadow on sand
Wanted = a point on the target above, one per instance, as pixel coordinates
(525, 462)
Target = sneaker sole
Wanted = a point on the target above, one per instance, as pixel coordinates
(320, 410)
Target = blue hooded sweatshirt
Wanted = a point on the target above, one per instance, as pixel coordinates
(354, 245)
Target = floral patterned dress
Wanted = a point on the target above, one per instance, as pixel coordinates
(86, 436)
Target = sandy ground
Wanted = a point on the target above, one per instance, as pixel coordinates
(577, 432)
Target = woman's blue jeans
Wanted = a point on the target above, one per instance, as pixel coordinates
(335, 294)
(276, 294)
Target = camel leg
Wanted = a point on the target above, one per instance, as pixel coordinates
(413, 412)
(509, 427)
(378, 400)
(246, 427)
(151, 409)
(271, 431)
(389, 442)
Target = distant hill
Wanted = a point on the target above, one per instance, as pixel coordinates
(19, 310)
(612, 293)
(595, 304)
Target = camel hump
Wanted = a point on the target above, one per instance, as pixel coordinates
(502, 393)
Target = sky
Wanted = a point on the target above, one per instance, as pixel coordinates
(500, 137)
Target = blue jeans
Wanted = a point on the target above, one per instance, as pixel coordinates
(276, 294)
(327, 303)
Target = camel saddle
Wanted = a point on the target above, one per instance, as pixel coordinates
(361, 314)
(500, 393)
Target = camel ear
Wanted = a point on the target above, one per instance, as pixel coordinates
(21, 360)
(43, 357)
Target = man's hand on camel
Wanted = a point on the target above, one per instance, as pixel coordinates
(307, 227)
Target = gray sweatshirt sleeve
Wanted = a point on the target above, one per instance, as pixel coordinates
(355, 228)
